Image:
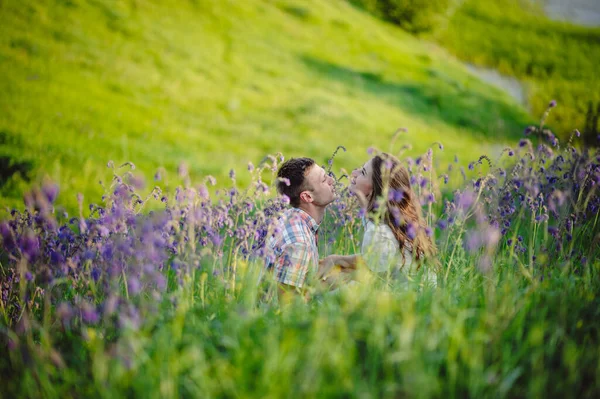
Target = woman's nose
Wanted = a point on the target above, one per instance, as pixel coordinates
(354, 173)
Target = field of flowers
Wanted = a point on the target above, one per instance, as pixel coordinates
(157, 295)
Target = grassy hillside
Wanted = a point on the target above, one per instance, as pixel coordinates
(216, 84)
(557, 60)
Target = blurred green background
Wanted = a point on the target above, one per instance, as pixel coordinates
(216, 84)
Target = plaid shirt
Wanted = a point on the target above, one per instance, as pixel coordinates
(293, 248)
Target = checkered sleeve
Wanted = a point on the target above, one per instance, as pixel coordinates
(295, 264)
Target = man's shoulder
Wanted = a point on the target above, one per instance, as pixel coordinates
(294, 230)
(292, 218)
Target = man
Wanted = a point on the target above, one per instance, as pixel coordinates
(293, 249)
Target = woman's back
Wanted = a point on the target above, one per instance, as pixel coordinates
(381, 252)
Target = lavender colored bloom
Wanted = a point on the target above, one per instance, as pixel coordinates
(50, 191)
(473, 242)
(442, 224)
(411, 231)
(64, 312)
(465, 200)
(396, 195)
(56, 258)
(285, 181)
(137, 182)
(28, 276)
(182, 169)
(8, 240)
(89, 314)
(362, 213)
(102, 230)
(29, 245)
(96, 274)
(552, 104)
(133, 285)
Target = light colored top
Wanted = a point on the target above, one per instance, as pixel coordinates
(381, 253)
(292, 249)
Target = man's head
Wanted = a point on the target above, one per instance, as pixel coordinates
(303, 181)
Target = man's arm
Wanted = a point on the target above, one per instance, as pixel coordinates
(291, 275)
(336, 270)
(347, 263)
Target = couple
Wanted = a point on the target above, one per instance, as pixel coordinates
(394, 240)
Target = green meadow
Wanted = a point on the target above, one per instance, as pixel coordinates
(554, 59)
(121, 302)
(218, 84)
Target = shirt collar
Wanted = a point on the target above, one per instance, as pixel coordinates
(309, 220)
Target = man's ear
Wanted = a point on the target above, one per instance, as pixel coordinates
(306, 196)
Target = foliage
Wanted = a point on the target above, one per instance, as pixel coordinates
(117, 302)
(415, 16)
(555, 59)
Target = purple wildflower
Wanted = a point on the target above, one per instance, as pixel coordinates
(396, 195)
(89, 314)
(411, 231)
(50, 191)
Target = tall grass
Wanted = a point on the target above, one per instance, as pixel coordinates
(116, 302)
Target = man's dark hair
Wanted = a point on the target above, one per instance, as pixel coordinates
(290, 178)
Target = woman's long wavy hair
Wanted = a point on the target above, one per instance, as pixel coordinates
(403, 212)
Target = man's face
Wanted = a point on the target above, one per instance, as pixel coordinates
(320, 187)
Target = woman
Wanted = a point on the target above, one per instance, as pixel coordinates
(395, 239)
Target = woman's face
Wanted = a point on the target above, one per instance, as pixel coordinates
(361, 181)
